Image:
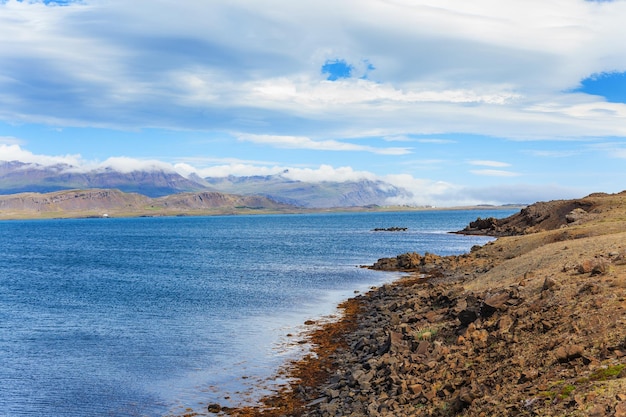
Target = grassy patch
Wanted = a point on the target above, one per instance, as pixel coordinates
(602, 374)
(566, 391)
(427, 333)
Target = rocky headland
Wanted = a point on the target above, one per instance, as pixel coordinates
(531, 324)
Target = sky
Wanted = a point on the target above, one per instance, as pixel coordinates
(488, 101)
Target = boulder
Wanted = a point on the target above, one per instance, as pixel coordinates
(567, 353)
(575, 215)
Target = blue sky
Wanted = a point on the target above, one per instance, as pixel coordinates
(459, 102)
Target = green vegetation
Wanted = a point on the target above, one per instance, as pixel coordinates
(566, 391)
(426, 333)
(602, 374)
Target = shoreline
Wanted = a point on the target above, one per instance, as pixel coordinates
(530, 324)
(111, 214)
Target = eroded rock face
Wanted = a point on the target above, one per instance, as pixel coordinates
(536, 217)
(575, 215)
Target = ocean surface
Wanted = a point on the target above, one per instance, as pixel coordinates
(153, 316)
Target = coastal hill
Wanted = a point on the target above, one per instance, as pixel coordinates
(114, 203)
(20, 177)
(530, 324)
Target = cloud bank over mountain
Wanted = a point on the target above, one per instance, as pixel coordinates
(157, 176)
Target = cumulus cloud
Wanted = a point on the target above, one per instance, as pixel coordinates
(520, 193)
(75, 163)
(424, 192)
(327, 173)
(13, 152)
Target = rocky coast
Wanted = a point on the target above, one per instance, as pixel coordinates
(531, 324)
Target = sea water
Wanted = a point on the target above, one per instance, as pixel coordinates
(154, 316)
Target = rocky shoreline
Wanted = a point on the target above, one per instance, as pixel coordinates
(532, 324)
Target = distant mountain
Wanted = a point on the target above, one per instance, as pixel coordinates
(19, 177)
(101, 202)
(309, 194)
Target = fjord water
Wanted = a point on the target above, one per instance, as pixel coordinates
(149, 316)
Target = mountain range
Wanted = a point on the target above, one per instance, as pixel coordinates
(20, 177)
(115, 203)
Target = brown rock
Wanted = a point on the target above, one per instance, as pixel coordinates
(467, 316)
(549, 284)
(498, 301)
(422, 348)
(504, 324)
(575, 215)
(568, 352)
(479, 337)
(601, 266)
(585, 267)
(430, 394)
(466, 395)
(416, 389)
(528, 375)
(397, 342)
(620, 409)
(598, 411)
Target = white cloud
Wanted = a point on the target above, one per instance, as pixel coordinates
(10, 140)
(75, 163)
(14, 152)
(300, 142)
(553, 154)
(478, 67)
(611, 149)
(327, 173)
(319, 174)
(437, 141)
(424, 192)
(494, 173)
(398, 138)
(520, 193)
(224, 170)
(494, 164)
(315, 93)
(125, 165)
